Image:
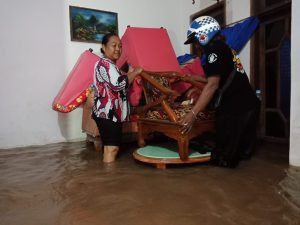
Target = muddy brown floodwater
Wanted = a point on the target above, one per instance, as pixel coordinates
(67, 184)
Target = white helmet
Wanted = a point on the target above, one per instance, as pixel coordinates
(203, 28)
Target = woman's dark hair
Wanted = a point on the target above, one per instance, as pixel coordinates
(106, 38)
(219, 36)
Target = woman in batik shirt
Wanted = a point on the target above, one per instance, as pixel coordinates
(111, 106)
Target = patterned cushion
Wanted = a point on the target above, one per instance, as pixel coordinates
(180, 111)
(151, 92)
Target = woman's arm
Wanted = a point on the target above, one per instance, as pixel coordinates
(202, 102)
(109, 73)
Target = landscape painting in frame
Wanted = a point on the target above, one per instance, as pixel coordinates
(90, 25)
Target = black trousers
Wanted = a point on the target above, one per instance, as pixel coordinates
(110, 132)
(236, 137)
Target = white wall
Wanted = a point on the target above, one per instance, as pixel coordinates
(206, 3)
(32, 63)
(186, 9)
(295, 84)
(143, 13)
(37, 55)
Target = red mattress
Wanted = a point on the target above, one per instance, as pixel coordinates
(77, 86)
(151, 49)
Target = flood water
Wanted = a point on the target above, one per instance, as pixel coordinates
(67, 184)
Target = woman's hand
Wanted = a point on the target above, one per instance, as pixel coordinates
(187, 122)
(133, 73)
(203, 100)
(138, 70)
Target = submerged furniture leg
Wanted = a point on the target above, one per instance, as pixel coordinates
(96, 141)
(183, 147)
(98, 145)
(141, 138)
(161, 166)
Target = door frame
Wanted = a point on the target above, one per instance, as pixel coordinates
(257, 74)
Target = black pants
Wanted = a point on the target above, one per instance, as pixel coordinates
(236, 137)
(110, 132)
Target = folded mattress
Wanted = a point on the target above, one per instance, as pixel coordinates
(78, 84)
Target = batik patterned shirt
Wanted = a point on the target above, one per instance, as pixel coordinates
(110, 101)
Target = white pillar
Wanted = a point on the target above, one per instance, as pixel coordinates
(294, 156)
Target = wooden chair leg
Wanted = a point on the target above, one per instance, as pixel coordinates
(161, 166)
(89, 139)
(96, 141)
(98, 145)
(141, 138)
(183, 148)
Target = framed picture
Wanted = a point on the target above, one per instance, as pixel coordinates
(90, 25)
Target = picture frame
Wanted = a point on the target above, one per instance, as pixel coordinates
(90, 25)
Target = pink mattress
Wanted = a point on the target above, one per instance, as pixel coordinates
(76, 87)
(151, 49)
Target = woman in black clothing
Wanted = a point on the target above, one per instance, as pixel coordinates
(238, 112)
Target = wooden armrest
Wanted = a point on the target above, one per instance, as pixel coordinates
(150, 105)
(171, 114)
(158, 86)
(196, 81)
(164, 104)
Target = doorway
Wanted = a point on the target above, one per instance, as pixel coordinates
(271, 69)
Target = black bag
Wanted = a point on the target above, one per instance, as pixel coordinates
(216, 101)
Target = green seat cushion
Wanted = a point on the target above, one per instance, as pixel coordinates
(168, 150)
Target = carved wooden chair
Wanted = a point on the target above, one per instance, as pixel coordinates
(151, 49)
(162, 112)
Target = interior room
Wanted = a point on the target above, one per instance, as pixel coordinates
(51, 174)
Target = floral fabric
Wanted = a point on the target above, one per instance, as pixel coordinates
(110, 100)
(180, 111)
